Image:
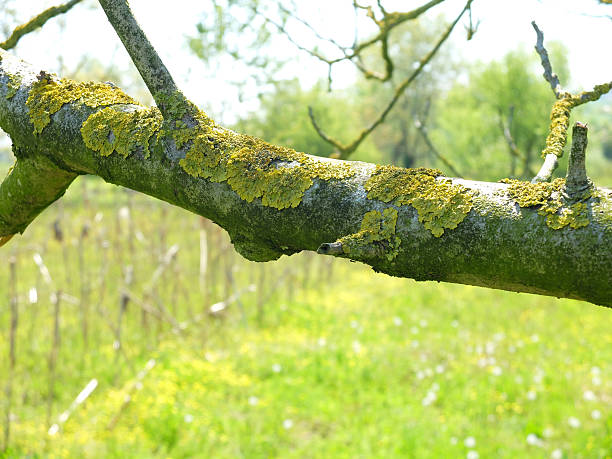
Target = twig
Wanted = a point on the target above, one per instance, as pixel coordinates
(512, 147)
(83, 395)
(549, 76)
(425, 134)
(123, 302)
(35, 23)
(56, 300)
(385, 25)
(345, 150)
(136, 385)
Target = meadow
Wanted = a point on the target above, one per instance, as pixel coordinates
(129, 328)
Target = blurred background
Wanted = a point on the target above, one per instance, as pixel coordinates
(131, 328)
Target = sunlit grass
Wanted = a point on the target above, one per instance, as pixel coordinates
(346, 363)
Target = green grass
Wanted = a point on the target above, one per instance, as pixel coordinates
(340, 362)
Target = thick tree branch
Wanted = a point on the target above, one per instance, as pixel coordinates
(274, 201)
(35, 23)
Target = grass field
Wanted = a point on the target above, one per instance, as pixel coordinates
(310, 358)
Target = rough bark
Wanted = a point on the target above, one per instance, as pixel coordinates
(272, 201)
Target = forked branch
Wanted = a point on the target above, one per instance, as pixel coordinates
(560, 113)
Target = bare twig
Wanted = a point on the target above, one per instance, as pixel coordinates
(135, 386)
(549, 75)
(425, 135)
(35, 23)
(345, 150)
(83, 395)
(512, 147)
(56, 300)
(385, 24)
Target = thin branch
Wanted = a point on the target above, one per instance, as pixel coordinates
(551, 77)
(512, 146)
(348, 149)
(425, 134)
(150, 66)
(385, 25)
(35, 23)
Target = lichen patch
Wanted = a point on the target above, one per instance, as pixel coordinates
(559, 209)
(440, 204)
(124, 131)
(375, 238)
(48, 95)
(254, 169)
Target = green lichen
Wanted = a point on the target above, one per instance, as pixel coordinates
(13, 85)
(375, 238)
(440, 204)
(560, 117)
(121, 130)
(47, 96)
(559, 208)
(254, 169)
(559, 123)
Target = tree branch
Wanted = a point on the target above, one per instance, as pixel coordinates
(577, 180)
(549, 75)
(560, 113)
(150, 66)
(35, 23)
(347, 149)
(274, 201)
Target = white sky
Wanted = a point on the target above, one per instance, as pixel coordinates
(504, 26)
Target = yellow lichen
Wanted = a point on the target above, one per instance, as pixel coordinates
(47, 96)
(440, 203)
(559, 209)
(560, 116)
(124, 131)
(376, 236)
(253, 168)
(13, 85)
